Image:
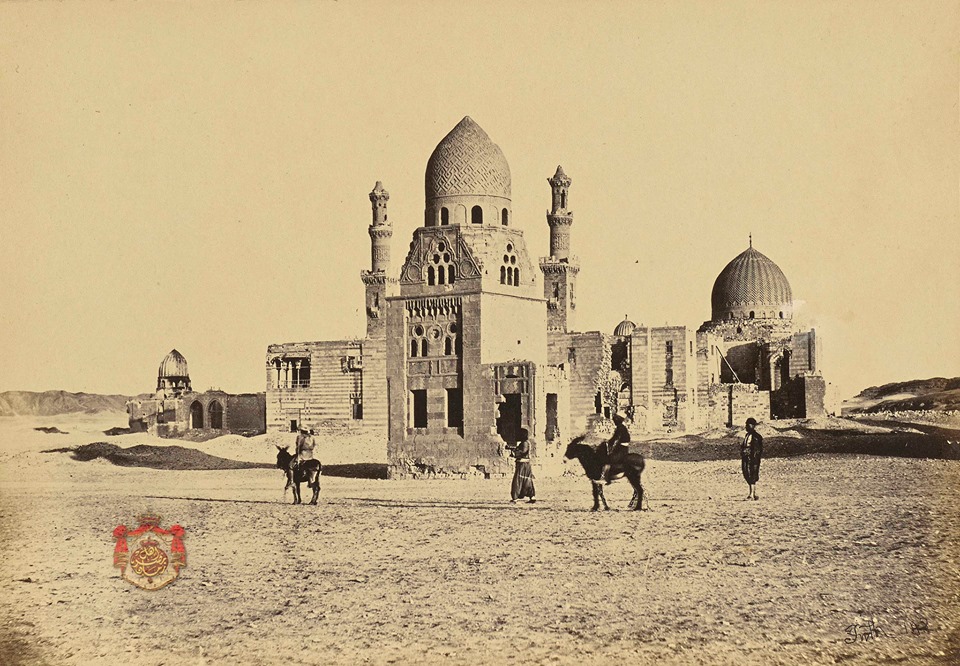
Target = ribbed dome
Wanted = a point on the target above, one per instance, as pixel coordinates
(173, 365)
(751, 283)
(467, 162)
(624, 328)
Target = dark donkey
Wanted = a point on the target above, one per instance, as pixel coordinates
(308, 470)
(631, 466)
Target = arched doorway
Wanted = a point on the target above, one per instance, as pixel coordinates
(196, 415)
(216, 415)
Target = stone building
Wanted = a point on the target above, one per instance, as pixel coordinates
(176, 408)
(468, 343)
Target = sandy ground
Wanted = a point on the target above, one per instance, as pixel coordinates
(450, 572)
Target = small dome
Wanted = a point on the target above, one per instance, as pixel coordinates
(751, 286)
(173, 365)
(467, 162)
(624, 328)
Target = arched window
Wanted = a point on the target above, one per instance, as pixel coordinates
(450, 272)
(444, 216)
(476, 215)
(751, 314)
(423, 347)
(431, 276)
(414, 348)
(441, 275)
(216, 415)
(448, 346)
(196, 415)
(556, 290)
(563, 200)
(781, 315)
(509, 273)
(504, 217)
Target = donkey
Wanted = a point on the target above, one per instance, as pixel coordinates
(307, 470)
(631, 466)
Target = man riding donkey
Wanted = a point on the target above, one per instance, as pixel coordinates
(302, 465)
(305, 446)
(614, 449)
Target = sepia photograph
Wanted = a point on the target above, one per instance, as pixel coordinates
(480, 333)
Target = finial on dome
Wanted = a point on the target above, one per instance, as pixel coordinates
(751, 239)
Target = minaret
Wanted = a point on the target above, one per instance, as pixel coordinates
(375, 280)
(560, 269)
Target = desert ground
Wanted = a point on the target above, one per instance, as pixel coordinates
(448, 571)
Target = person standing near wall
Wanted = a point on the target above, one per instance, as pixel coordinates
(522, 485)
(751, 450)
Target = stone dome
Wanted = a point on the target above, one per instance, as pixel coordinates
(751, 287)
(624, 328)
(467, 162)
(173, 365)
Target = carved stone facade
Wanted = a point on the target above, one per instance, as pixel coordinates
(465, 348)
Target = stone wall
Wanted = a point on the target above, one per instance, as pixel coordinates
(664, 378)
(732, 404)
(585, 358)
(335, 385)
(243, 413)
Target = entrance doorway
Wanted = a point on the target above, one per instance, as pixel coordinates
(196, 415)
(216, 415)
(509, 417)
(553, 428)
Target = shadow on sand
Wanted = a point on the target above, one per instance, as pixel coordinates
(357, 470)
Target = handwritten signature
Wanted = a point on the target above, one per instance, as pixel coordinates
(863, 631)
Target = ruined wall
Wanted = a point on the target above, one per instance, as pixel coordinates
(801, 397)
(732, 404)
(335, 384)
(585, 358)
(664, 377)
(246, 413)
(803, 356)
(554, 431)
(243, 413)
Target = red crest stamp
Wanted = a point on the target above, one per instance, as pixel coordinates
(149, 556)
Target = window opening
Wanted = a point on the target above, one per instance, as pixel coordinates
(418, 408)
(454, 408)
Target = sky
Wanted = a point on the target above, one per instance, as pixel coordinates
(195, 175)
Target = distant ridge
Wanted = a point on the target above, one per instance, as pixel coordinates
(51, 403)
(935, 394)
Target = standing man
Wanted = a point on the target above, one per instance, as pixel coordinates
(522, 485)
(751, 450)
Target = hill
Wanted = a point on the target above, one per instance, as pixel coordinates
(50, 403)
(935, 394)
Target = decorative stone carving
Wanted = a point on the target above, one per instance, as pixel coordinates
(467, 161)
